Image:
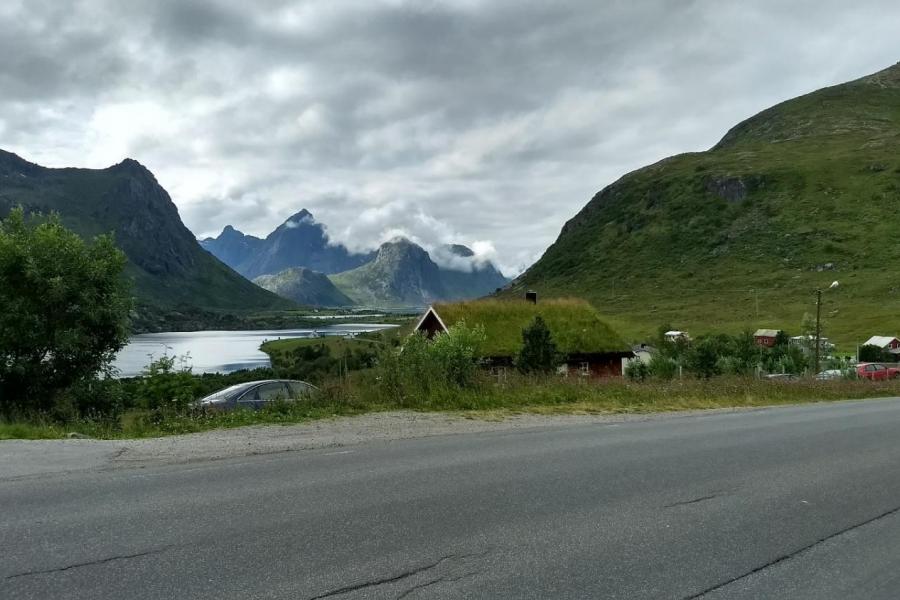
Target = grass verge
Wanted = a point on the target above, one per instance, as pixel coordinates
(489, 399)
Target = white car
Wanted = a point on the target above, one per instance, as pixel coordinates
(829, 374)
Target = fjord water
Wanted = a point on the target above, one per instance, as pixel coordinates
(219, 351)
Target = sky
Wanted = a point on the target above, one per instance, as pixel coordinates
(488, 123)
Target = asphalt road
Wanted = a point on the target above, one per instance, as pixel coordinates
(800, 502)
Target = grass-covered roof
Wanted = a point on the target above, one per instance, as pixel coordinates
(574, 325)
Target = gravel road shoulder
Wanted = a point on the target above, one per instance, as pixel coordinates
(26, 458)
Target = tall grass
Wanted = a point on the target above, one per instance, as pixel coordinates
(485, 396)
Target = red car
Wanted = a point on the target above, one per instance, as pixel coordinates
(876, 371)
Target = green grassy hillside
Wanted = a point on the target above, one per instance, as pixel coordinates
(740, 236)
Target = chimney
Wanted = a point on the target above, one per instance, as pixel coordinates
(531, 296)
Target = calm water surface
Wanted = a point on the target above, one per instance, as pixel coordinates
(219, 351)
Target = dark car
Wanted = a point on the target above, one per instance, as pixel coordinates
(256, 394)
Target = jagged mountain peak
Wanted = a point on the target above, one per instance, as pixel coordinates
(459, 250)
(299, 241)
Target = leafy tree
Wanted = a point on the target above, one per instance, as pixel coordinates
(782, 339)
(870, 353)
(747, 354)
(538, 353)
(703, 357)
(63, 309)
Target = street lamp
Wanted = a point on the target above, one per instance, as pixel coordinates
(833, 285)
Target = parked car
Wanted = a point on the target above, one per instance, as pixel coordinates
(876, 371)
(256, 394)
(830, 374)
(782, 377)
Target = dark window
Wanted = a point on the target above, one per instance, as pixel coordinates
(298, 390)
(271, 391)
(265, 393)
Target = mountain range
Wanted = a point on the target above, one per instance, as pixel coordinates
(804, 193)
(167, 265)
(298, 242)
(294, 260)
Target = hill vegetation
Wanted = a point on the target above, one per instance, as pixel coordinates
(304, 286)
(740, 236)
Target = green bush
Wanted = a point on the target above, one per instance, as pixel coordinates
(166, 386)
(538, 353)
(637, 370)
(662, 367)
(702, 358)
(93, 398)
(426, 370)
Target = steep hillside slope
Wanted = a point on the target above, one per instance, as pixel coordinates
(167, 265)
(802, 194)
(304, 286)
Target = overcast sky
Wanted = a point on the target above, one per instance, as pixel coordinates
(467, 120)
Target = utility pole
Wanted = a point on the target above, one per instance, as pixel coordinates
(818, 327)
(819, 322)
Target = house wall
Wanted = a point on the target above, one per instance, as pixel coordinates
(596, 366)
(765, 340)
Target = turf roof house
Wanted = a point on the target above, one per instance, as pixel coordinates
(588, 345)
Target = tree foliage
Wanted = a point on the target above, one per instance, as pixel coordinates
(63, 309)
(871, 353)
(429, 370)
(538, 353)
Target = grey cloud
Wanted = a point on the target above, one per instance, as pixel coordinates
(458, 121)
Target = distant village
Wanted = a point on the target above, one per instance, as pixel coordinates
(588, 347)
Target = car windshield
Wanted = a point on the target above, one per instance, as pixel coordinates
(229, 392)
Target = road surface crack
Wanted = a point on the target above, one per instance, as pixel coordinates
(91, 563)
(434, 581)
(694, 501)
(398, 577)
(790, 555)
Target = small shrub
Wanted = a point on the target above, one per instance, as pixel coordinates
(538, 353)
(637, 370)
(662, 367)
(166, 386)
